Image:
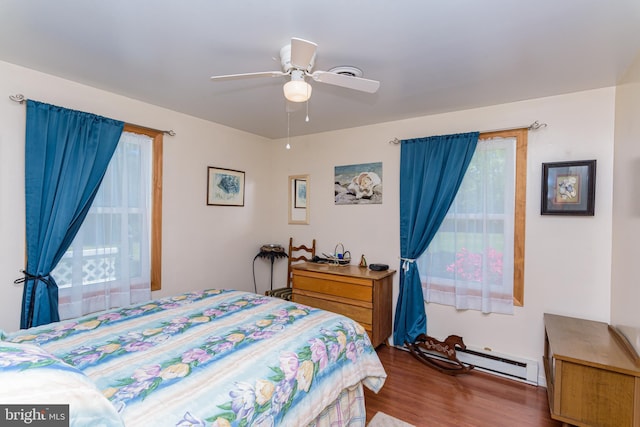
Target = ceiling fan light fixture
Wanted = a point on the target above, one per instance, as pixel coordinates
(297, 90)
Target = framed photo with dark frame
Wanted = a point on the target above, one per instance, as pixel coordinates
(569, 188)
(225, 187)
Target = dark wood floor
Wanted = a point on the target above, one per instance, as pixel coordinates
(422, 396)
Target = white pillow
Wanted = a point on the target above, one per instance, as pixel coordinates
(31, 375)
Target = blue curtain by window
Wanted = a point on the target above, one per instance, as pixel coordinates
(431, 171)
(66, 156)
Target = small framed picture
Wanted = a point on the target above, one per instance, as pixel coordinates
(225, 187)
(568, 188)
(301, 194)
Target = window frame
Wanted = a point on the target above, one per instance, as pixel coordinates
(519, 215)
(519, 220)
(156, 202)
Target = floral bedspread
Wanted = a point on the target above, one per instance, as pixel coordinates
(215, 358)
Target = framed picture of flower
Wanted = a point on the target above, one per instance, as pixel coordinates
(568, 188)
(225, 187)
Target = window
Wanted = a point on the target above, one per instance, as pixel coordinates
(476, 260)
(114, 259)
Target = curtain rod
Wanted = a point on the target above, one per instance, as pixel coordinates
(20, 99)
(533, 126)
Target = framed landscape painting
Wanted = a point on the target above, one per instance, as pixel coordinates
(225, 187)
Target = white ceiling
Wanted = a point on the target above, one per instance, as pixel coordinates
(430, 56)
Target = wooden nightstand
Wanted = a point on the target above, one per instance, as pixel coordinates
(356, 292)
(591, 379)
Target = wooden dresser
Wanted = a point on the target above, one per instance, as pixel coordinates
(592, 379)
(356, 292)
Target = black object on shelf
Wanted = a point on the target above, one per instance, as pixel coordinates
(270, 252)
(378, 267)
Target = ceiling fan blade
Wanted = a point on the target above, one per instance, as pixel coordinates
(248, 75)
(303, 53)
(350, 82)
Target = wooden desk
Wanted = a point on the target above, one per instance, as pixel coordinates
(356, 292)
(592, 380)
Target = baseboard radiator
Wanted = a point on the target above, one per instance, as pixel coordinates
(516, 368)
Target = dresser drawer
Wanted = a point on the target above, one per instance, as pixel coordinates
(360, 292)
(362, 315)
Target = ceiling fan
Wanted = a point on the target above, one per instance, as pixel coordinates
(297, 60)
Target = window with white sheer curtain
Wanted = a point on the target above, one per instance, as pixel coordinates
(108, 263)
(470, 262)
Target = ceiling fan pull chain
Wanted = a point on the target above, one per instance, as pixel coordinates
(288, 146)
(307, 118)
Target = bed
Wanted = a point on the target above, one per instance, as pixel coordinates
(208, 358)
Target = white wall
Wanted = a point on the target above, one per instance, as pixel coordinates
(567, 259)
(625, 294)
(203, 246)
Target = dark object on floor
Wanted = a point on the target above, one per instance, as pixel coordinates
(297, 254)
(424, 347)
(379, 267)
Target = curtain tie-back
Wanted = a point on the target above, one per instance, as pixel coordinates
(29, 276)
(405, 263)
(44, 278)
